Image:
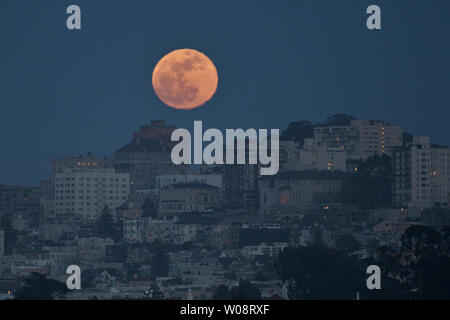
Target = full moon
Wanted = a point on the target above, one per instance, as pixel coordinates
(185, 79)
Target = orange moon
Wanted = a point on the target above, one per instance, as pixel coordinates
(185, 79)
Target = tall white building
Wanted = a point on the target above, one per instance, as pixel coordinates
(422, 174)
(87, 191)
(86, 161)
(361, 139)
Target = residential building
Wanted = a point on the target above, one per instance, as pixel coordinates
(188, 197)
(87, 191)
(167, 231)
(361, 139)
(60, 225)
(47, 197)
(393, 227)
(263, 249)
(146, 156)
(19, 199)
(134, 230)
(290, 192)
(157, 131)
(166, 180)
(422, 174)
(92, 248)
(86, 161)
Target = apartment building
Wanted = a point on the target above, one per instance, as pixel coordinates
(422, 174)
(361, 139)
(81, 161)
(87, 191)
(188, 197)
(19, 199)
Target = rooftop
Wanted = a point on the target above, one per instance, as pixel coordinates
(142, 145)
(309, 175)
(191, 185)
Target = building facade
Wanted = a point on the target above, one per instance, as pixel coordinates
(291, 192)
(163, 181)
(188, 197)
(240, 186)
(361, 139)
(80, 162)
(422, 174)
(310, 157)
(19, 199)
(146, 156)
(87, 191)
(157, 131)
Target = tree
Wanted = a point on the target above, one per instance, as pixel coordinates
(106, 228)
(256, 236)
(422, 240)
(293, 291)
(445, 238)
(38, 287)
(259, 276)
(298, 131)
(221, 293)
(317, 236)
(155, 293)
(435, 216)
(339, 119)
(244, 291)
(160, 261)
(10, 234)
(420, 270)
(432, 277)
(371, 185)
(407, 138)
(347, 244)
(318, 272)
(432, 266)
(376, 166)
(149, 209)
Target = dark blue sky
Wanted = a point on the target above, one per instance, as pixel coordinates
(64, 92)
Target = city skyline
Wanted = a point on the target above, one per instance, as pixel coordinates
(95, 154)
(209, 152)
(88, 90)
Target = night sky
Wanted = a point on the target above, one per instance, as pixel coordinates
(68, 92)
